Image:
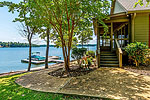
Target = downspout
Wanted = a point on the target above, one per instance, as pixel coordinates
(133, 27)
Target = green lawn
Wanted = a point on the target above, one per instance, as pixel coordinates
(9, 90)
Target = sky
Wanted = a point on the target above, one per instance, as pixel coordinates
(9, 30)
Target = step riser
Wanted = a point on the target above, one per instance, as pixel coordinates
(109, 65)
(108, 56)
(108, 59)
(107, 53)
(109, 62)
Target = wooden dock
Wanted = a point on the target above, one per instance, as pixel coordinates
(53, 59)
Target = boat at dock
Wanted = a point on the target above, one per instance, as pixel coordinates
(37, 59)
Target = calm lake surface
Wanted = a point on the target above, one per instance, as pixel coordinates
(10, 58)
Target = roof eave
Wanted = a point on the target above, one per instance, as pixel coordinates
(118, 14)
(138, 11)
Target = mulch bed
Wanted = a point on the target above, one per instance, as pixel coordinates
(142, 70)
(74, 72)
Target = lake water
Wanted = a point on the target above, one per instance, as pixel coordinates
(10, 58)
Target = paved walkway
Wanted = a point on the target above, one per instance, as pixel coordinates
(112, 83)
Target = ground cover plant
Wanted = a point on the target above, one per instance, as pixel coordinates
(9, 90)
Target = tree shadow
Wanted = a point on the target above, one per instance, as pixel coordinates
(113, 83)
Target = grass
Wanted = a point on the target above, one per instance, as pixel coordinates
(9, 90)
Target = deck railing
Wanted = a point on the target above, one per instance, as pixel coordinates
(118, 52)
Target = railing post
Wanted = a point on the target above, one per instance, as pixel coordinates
(119, 53)
(98, 57)
(111, 36)
(120, 59)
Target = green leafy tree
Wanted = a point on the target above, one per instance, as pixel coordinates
(45, 34)
(65, 15)
(27, 18)
(28, 33)
(31, 21)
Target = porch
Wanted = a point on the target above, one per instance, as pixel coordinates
(110, 45)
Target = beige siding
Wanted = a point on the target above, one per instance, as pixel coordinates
(142, 28)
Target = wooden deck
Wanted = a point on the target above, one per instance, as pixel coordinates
(53, 59)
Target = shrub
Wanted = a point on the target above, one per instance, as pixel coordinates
(78, 53)
(87, 62)
(137, 52)
(90, 53)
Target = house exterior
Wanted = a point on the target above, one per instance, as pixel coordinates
(127, 24)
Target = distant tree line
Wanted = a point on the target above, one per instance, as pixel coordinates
(16, 44)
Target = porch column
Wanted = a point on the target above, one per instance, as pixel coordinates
(129, 30)
(133, 27)
(98, 47)
(111, 36)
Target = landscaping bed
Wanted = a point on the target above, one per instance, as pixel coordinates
(74, 72)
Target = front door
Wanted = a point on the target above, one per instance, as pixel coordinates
(105, 43)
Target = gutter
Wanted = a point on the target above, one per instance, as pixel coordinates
(138, 11)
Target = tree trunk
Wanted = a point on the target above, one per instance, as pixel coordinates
(29, 65)
(82, 40)
(47, 49)
(66, 60)
(88, 46)
(67, 66)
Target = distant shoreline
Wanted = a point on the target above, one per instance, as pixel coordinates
(44, 46)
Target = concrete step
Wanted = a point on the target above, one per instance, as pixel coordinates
(109, 65)
(109, 62)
